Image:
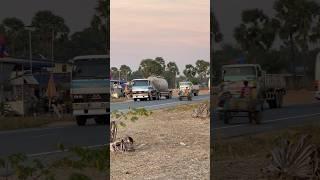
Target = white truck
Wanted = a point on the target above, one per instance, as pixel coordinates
(188, 89)
(90, 89)
(264, 87)
(152, 88)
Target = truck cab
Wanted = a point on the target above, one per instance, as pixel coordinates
(90, 88)
(234, 75)
(142, 89)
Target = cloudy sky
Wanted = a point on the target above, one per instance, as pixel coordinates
(177, 30)
(77, 13)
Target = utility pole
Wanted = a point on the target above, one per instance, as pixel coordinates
(30, 50)
(52, 46)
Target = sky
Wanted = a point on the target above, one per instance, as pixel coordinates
(77, 13)
(177, 30)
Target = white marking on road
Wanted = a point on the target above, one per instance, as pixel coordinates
(274, 120)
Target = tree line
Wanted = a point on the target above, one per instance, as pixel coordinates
(158, 66)
(48, 29)
(294, 28)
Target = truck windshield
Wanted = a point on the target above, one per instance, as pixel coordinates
(185, 84)
(90, 69)
(239, 73)
(140, 83)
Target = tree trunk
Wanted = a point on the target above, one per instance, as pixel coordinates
(293, 59)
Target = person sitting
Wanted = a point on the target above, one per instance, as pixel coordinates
(246, 90)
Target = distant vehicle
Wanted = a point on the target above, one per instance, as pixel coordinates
(264, 87)
(152, 88)
(187, 90)
(90, 88)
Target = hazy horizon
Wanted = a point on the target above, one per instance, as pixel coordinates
(177, 30)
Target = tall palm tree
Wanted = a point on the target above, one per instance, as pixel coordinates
(174, 70)
(296, 18)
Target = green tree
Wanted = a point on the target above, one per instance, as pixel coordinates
(125, 71)
(190, 71)
(136, 75)
(150, 67)
(295, 18)
(114, 72)
(256, 33)
(173, 71)
(48, 26)
(162, 62)
(203, 69)
(15, 31)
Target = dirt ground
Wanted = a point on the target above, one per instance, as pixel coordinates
(299, 97)
(169, 145)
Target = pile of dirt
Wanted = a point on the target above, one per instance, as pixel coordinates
(170, 144)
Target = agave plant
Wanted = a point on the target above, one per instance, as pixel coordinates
(294, 160)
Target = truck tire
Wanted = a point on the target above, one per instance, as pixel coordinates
(280, 101)
(135, 99)
(81, 120)
(225, 117)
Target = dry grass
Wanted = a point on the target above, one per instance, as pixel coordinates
(170, 145)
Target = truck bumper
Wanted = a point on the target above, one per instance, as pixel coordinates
(138, 96)
(90, 109)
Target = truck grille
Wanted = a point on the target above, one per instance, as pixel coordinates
(91, 98)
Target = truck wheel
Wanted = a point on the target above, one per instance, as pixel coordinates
(280, 101)
(226, 117)
(135, 99)
(257, 117)
(81, 120)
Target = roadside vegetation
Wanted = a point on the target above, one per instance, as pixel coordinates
(266, 155)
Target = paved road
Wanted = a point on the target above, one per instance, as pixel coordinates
(151, 105)
(43, 141)
(274, 119)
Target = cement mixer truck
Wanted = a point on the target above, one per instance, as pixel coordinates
(152, 88)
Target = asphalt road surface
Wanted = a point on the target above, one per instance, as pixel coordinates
(43, 141)
(151, 105)
(273, 119)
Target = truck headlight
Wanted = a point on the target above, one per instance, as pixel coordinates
(77, 96)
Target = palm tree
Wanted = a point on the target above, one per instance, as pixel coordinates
(256, 33)
(174, 70)
(295, 19)
(13, 28)
(48, 27)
